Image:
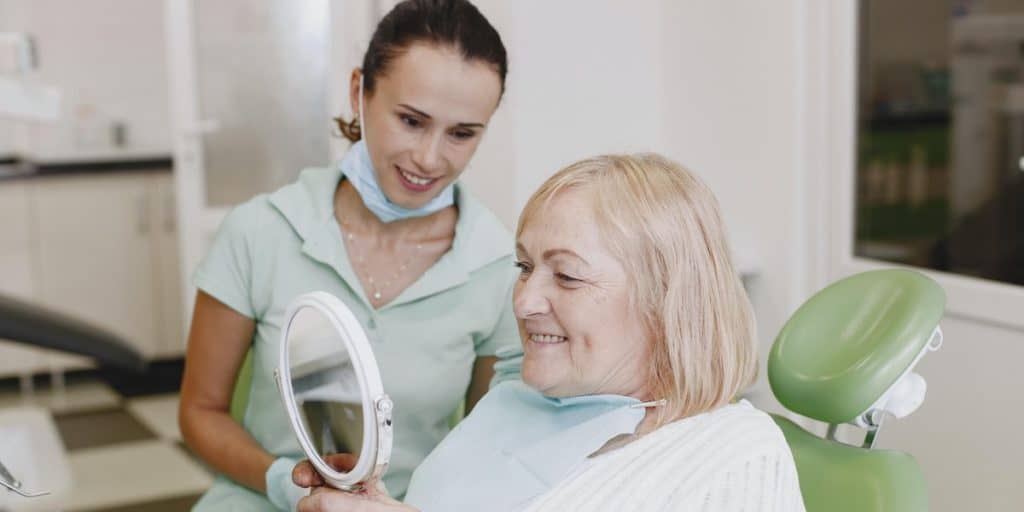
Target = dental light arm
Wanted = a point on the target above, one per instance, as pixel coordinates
(37, 326)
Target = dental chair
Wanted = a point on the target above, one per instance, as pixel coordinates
(37, 475)
(847, 357)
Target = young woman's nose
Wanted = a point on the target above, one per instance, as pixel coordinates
(428, 155)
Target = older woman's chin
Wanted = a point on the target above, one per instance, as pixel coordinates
(543, 383)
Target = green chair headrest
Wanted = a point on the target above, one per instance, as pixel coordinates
(851, 341)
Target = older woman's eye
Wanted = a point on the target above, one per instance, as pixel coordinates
(565, 278)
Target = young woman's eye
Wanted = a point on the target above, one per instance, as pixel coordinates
(463, 134)
(410, 121)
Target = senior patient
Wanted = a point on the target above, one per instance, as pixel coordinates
(637, 336)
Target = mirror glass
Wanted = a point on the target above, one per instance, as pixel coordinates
(327, 391)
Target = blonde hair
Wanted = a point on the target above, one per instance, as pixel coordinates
(664, 226)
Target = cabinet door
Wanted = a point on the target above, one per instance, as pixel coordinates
(16, 270)
(170, 320)
(96, 253)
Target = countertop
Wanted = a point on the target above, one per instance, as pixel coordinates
(13, 168)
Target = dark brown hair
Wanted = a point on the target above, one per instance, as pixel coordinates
(454, 23)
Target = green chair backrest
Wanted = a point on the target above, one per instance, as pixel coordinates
(834, 358)
(836, 477)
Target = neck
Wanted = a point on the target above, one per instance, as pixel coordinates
(647, 425)
(350, 209)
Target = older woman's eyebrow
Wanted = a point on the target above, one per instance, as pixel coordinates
(550, 253)
(427, 116)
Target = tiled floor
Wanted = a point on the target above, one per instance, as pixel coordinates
(125, 454)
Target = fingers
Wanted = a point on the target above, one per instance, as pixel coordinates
(341, 461)
(317, 502)
(325, 499)
(305, 476)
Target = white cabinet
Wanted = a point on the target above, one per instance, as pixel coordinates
(167, 266)
(103, 248)
(16, 238)
(96, 249)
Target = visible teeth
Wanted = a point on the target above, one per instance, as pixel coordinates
(547, 338)
(416, 180)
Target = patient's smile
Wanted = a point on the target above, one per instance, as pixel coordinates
(547, 339)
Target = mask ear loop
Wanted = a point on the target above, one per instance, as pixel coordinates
(652, 403)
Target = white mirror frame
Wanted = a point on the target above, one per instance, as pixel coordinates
(377, 406)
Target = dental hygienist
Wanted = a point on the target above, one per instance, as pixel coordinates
(425, 267)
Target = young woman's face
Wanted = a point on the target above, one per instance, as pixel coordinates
(579, 333)
(424, 120)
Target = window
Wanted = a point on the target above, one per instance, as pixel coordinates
(940, 143)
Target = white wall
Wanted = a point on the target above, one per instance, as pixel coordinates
(107, 56)
(730, 114)
(12, 133)
(572, 92)
(966, 436)
(711, 85)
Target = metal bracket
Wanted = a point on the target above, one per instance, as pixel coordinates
(13, 484)
(874, 419)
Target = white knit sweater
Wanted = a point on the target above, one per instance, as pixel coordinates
(731, 459)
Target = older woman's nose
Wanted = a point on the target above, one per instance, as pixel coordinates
(528, 299)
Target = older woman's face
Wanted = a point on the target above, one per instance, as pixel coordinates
(578, 332)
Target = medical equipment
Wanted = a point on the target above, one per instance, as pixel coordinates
(847, 357)
(29, 430)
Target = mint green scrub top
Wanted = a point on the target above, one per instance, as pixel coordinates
(276, 247)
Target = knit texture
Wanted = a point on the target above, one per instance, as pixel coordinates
(731, 459)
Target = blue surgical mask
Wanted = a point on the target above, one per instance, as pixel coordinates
(358, 169)
(516, 445)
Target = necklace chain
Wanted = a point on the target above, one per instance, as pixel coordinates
(376, 288)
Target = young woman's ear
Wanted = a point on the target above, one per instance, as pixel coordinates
(353, 92)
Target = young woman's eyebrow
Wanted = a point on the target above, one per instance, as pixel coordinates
(427, 116)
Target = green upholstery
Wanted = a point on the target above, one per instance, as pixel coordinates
(840, 478)
(457, 415)
(850, 342)
(835, 357)
(240, 395)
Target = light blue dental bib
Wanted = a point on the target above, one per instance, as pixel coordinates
(516, 445)
(358, 169)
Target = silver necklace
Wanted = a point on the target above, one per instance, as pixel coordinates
(377, 287)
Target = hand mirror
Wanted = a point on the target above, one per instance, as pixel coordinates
(331, 389)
